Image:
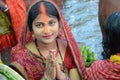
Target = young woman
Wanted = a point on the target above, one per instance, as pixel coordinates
(52, 53)
(108, 69)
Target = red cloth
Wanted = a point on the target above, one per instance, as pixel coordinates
(6, 33)
(74, 46)
(17, 11)
(6, 41)
(103, 70)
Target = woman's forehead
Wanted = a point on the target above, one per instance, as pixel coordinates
(45, 18)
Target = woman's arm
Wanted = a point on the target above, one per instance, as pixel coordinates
(73, 74)
(19, 68)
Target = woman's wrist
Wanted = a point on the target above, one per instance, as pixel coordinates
(63, 76)
(67, 78)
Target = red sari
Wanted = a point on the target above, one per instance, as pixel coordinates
(103, 70)
(17, 12)
(34, 68)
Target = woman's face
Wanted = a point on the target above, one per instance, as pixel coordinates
(46, 29)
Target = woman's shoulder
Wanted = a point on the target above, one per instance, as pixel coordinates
(62, 42)
(62, 45)
(31, 46)
(19, 49)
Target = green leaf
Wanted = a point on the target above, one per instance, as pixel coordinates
(87, 55)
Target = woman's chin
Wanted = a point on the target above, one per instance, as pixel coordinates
(48, 41)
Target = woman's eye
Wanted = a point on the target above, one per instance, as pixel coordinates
(51, 23)
(39, 25)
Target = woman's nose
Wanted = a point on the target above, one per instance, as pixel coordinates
(46, 29)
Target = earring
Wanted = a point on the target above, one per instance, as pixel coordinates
(33, 37)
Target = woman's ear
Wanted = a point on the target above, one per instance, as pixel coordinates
(33, 36)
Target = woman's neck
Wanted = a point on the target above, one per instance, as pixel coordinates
(43, 46)
(44, 49)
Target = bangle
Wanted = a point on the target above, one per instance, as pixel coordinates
(4, 8)
(67, 78)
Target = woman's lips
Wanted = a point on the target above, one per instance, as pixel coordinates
(47, 36)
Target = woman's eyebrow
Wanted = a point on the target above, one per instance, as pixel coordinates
(39, 22)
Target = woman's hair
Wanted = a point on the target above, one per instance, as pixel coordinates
(35, 11)
(112, 29)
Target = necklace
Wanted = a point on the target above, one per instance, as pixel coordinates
(56, 54)
(42, 55)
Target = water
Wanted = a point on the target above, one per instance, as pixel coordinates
(82, 16)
